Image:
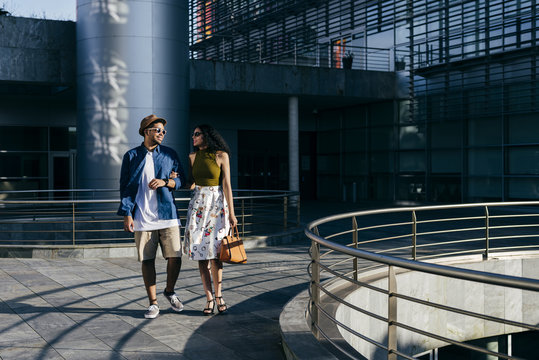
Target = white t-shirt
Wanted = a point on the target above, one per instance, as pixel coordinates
(146, 214)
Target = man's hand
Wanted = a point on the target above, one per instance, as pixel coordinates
(129, 226)
(156, 183)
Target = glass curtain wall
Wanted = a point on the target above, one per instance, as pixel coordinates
(466, 131)
(475, 92)
(40, 159)
(311, 32)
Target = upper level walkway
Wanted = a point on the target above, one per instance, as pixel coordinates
(93, 308)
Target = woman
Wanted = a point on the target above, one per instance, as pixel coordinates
(210, 215)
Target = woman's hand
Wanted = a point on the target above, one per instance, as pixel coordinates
(233, 221)
(173, 175)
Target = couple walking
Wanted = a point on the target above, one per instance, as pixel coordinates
(149, 175)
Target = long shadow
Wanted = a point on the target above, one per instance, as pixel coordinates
(249, 315)
(248, 330)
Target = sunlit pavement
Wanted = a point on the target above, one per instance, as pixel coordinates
(73, 308)
(94, 309)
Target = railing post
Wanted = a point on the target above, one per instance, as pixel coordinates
(223, 44)
(298, 212)
(285, 212)
(485, 255)
(295, 53)
(242, 217)
(414, 235)
(315, 282)
(354, 238)
(391, 314)
(73, 217)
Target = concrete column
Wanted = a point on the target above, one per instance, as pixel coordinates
(293, 144)
(132, 61)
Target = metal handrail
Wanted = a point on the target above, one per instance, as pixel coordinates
(320, 54)
(339, 274)
(94, 221)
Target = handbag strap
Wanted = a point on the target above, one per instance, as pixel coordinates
(232, 230)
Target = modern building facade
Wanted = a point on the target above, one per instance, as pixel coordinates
(396, 100)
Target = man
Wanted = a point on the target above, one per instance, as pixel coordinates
(147, 205)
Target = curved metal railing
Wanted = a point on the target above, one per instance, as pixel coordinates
(347, 247)
(88, 217)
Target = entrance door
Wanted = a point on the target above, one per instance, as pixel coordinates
(61, 172)
(263, 161)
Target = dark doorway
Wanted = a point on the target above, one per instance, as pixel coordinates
(263, 161)
(60, 175)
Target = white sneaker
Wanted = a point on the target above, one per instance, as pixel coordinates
(175, 302)
(152, 312)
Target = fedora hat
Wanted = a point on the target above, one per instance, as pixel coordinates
(147, 121)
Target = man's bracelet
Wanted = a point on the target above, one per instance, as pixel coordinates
(166, 182)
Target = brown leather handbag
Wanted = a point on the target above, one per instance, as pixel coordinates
(232, 249)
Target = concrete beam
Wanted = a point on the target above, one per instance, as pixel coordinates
(291, 80)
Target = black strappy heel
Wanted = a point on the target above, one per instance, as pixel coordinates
(221, 304)
(209, 310)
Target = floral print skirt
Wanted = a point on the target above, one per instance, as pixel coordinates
(207, 223)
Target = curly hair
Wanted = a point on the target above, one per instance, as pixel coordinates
(213, 139)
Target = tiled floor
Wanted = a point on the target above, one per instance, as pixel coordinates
(93, 309)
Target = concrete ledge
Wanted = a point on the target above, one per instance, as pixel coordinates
(126, 250)
(55, 252)
(298, 341)
(281, 238)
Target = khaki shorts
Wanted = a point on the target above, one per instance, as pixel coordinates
(168, 238)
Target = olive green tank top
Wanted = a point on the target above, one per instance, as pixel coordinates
(206, 172)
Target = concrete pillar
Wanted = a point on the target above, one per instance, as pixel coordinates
(293, 143)
(132, 61)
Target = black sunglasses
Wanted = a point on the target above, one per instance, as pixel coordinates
(197, 134)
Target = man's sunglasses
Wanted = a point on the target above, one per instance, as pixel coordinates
(158, 130)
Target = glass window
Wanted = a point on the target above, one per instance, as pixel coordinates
(411, 188)
(485, 161)
(354, 140)
(445, 189)
(485, 131)
(355, 164)
(23, 138)
(519, 188)
(381, 161)
(23, 165)
(381, 114)
(381, 138)
(519, 127)
(412, 161)
(523, 160)
(328, 164)
(446, 161)
(446, 135)
(60, 138)
(411, 137)
(328, 141)
(485, 188)
(10, 165)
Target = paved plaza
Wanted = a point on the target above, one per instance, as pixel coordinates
(79, 308)
(93, 309)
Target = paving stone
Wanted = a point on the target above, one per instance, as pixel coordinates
(25, 353)
(75, 308)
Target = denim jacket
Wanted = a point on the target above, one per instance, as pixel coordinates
(165, 161)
